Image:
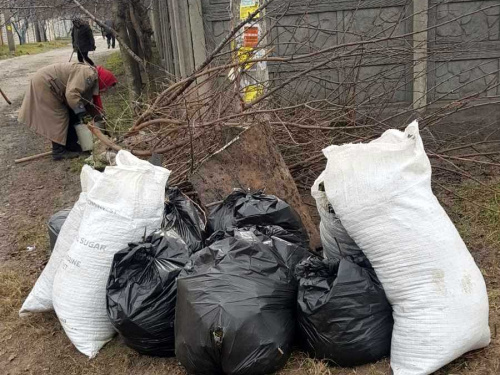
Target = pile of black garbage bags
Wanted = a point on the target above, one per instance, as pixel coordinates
(237, 291)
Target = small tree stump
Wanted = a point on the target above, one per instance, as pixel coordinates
(251, 161)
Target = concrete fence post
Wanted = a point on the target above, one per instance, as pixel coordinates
(420, 22)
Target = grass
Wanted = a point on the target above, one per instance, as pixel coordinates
(34, 236)
(11, 292)
(114, 62)
(477, 218)
(50, 349)
(116, 101)
(77, 164)
(33, 48)
(483, 214)
(301, 364)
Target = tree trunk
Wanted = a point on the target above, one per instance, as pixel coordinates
(141, 24)
(38, 36)
(22, 37)
(21, 33)
(132, 69)
(134, 39)
(10, 31)
(134, 45)
(44, 31)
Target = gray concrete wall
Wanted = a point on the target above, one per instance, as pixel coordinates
(445, 55)
(474, 63)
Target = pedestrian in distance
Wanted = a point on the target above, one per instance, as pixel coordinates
(110, 36)
(83, 40)
(61, 96)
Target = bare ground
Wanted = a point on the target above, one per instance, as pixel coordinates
(30, 193)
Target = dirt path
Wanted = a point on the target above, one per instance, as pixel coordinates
(29, 194)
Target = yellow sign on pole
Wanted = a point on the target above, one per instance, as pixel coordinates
(247, 7)
(247, 49)
(252, 92)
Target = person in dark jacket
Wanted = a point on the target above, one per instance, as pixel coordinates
(109, 35)
(83, 40)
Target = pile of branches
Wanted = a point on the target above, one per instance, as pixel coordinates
(306, 106)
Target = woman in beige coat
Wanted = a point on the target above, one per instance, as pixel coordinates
(58, 97)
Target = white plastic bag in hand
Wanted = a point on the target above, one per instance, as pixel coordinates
(40, 297)
(382, 193)
(126, 202)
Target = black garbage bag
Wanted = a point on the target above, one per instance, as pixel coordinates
(343, 313)
(181, 215)
(337, 243)
(55, 224)
(141, 292)
(241, 209)
(236, 306)
(269, 231)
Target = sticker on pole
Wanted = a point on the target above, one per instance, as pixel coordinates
(248, 7)
(251, 37)
(252, 92)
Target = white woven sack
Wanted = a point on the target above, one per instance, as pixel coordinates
(334, 238)
(40, 297)
(126, 203)
(382, 193)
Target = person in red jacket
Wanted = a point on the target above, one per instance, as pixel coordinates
(107, 80)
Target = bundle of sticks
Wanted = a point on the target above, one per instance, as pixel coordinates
(310, 105)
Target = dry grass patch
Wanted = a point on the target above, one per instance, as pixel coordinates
(33, 48)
